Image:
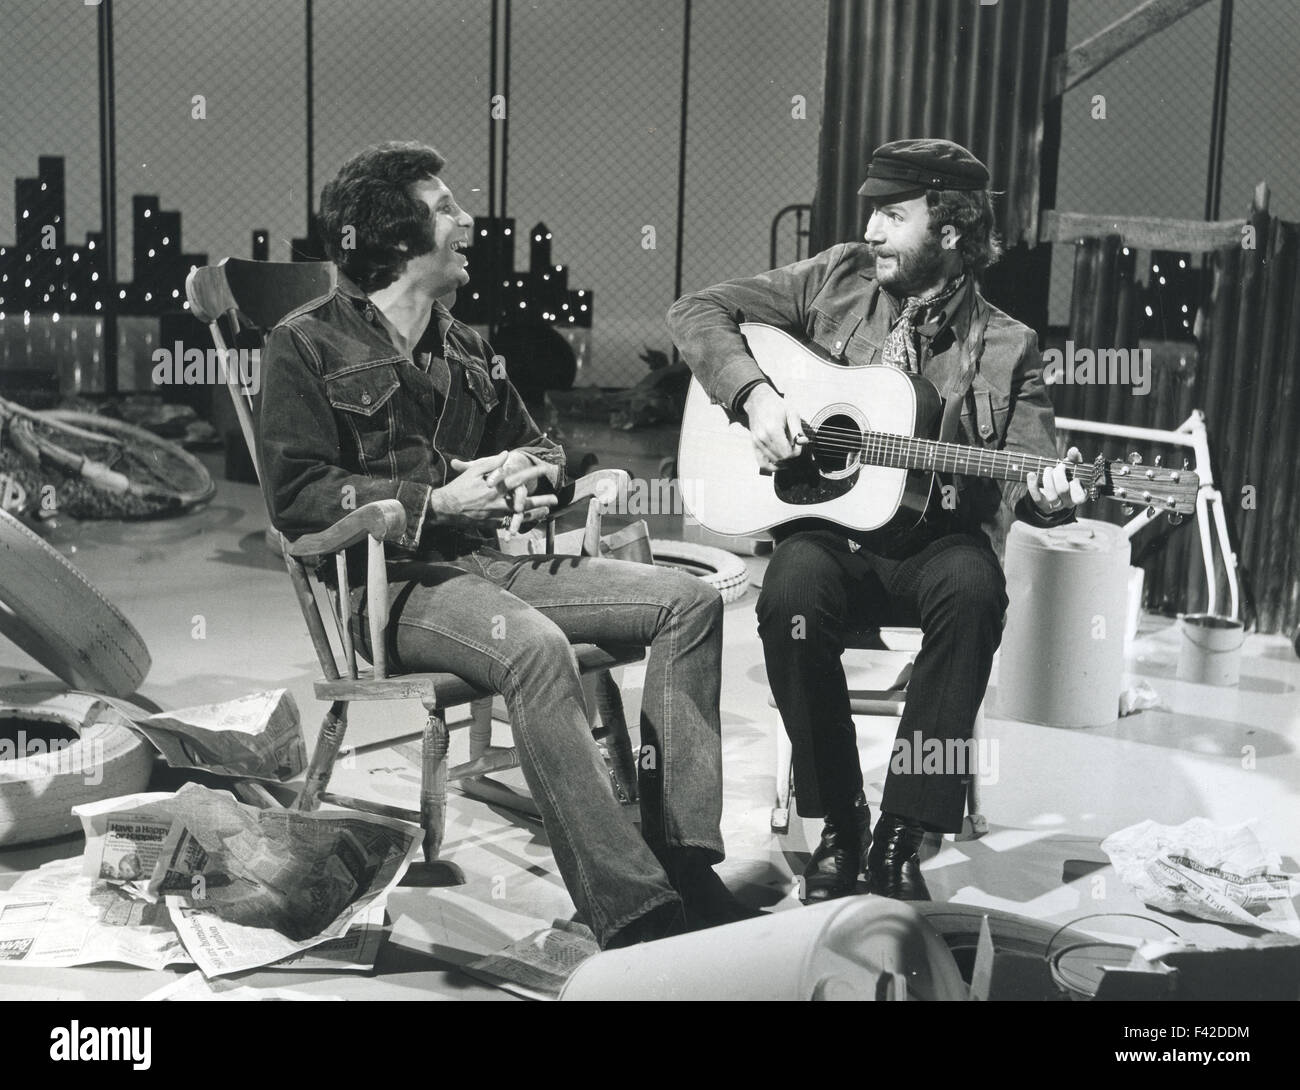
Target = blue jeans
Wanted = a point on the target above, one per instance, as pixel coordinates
(506, 623)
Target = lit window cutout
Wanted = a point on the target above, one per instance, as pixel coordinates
(99, 305)
(44, 187)
(146, 213)
(76, 256)
(72, 297)
(90, 245)
(148, 296)
(507, 230)
(94, 276)
(151, 253)
(175, 292)
(122, 294)
(55, 316)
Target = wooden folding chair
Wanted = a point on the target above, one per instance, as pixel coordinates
(242, 300)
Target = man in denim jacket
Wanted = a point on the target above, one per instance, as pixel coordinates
(908, 297)
(375, 392)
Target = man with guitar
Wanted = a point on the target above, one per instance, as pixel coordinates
(906, 298)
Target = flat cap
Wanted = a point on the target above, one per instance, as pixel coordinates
(909, 166)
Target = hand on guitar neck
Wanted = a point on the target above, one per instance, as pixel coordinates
(1059, 489)
(778, 431)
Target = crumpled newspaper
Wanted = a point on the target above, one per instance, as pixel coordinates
(1138, 698)
(1214, 872)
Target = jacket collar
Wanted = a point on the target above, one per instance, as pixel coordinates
(349, 288)
(955, 312)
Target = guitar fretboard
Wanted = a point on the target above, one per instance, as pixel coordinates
(908, 452)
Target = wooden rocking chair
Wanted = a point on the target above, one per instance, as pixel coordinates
(241, 301)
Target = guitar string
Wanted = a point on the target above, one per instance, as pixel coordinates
(885, 444)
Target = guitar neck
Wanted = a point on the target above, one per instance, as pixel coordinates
(907, 452)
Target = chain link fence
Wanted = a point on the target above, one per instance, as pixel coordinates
(1136, 139)
(213, 144)
(214, 152)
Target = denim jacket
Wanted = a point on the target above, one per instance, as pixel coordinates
(991, 382)
(346, 418)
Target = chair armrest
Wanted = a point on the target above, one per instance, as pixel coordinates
(384, 520)
(608, 486)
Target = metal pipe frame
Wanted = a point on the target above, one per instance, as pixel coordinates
(1192, 435)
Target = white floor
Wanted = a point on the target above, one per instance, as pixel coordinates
(1055, 793)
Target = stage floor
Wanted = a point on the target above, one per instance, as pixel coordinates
(1057, 793)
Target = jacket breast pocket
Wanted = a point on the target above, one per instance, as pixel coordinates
(481, 388)
(825, 331)
(364, 400)
(985, 414)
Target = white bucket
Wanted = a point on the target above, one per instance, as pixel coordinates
(1062, 657)
(854, 948)
(1211, 649)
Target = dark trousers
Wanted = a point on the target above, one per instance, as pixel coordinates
(816, 591)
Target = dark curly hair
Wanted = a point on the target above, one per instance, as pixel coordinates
(971, 213)
(372, 195)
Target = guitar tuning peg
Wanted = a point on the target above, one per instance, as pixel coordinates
(1174, 518)
(1151, 511)
(1158, 461)
(1135, 459)
(1128, 509)
(1187, 463)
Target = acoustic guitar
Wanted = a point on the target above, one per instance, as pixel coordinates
(871, 463)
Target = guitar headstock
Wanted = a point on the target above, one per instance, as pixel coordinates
(1161, 489)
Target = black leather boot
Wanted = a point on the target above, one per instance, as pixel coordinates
(706, 901)
(893, 868)
(840, 856)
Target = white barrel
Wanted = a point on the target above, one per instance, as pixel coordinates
(853, 948)
(1062, 657)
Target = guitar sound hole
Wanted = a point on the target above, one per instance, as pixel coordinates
(837, 438)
